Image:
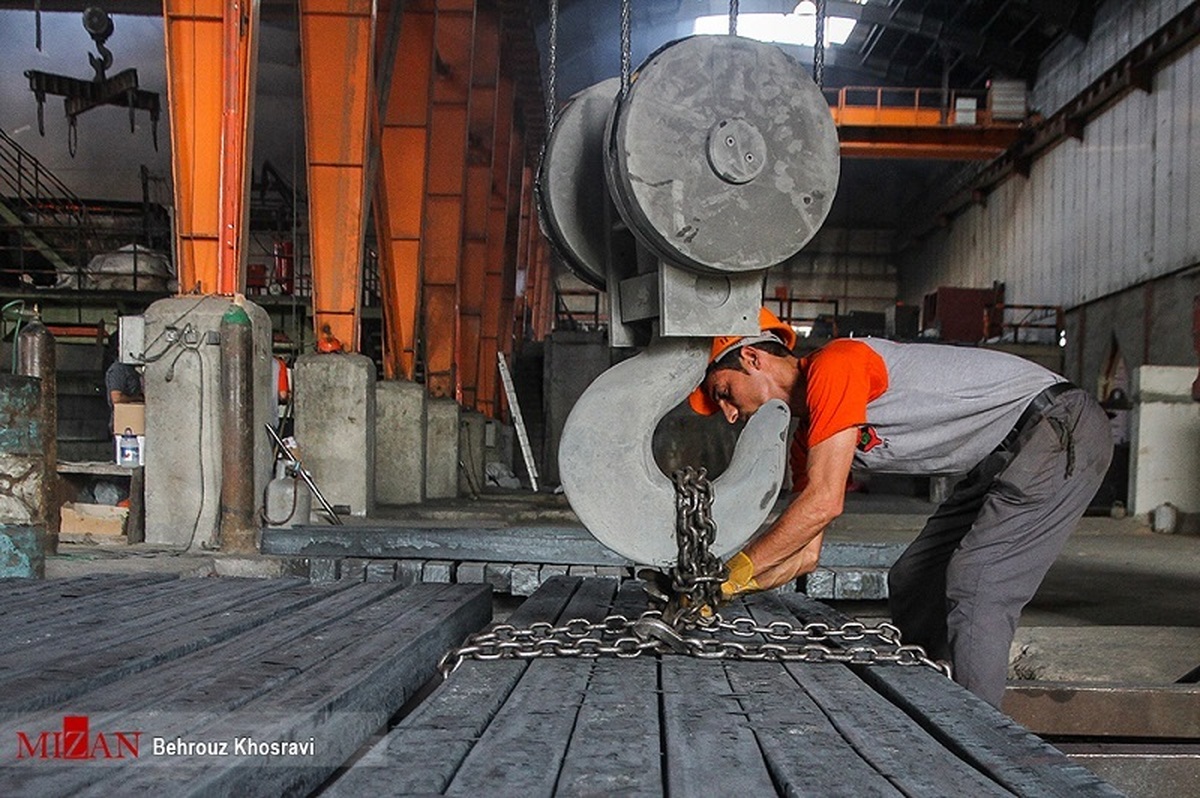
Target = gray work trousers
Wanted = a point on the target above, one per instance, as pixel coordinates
(959, 588)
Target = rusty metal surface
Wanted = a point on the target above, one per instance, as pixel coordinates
(36, 358)
(1106, 710)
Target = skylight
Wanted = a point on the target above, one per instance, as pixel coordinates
(798, 27)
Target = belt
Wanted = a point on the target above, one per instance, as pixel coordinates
(1033, 413)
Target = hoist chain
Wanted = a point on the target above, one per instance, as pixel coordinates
(698, 573)
(733, 15)
(819, 47)
(552, 76)
(626, 47)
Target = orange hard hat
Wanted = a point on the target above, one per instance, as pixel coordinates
(771, 329)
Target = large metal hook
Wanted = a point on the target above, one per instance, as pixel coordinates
(607, 466)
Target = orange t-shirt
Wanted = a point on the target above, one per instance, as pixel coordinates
(841, 379)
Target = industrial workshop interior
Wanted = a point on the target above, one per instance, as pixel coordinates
(600, 397)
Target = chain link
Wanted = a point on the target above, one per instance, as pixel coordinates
(697, 575)
(626, 47)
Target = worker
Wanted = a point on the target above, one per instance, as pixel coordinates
(122, 381)
(1034, 449)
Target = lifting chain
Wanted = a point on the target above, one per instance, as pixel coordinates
(626, 47)
(698, 573)
(684, 626)
(819, 47)
(852, 643)
(552, 77)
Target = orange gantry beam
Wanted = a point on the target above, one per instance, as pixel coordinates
(481, 152)
(400, 192)
(337, 62)
(212, 114)
(445, 186)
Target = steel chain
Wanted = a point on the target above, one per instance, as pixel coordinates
(627, 638)
(689, 624)
(697, 575)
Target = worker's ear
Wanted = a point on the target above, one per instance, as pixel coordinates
(751, 358)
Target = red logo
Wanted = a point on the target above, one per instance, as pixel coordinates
(75, 741)
(868, 439)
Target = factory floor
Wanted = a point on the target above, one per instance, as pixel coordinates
(1119, 604)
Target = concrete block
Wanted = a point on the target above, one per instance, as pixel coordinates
(471, 572)
(335, 426)
(1165, 443)
(472, 432)
(408, 572)
(499, 576)
(400, 427)
(441, 449)
(323, 569)
(381, 571)
(524, 579)
(183, 417)
(820, 584)
(581, 570)
(354, 569)
(550, 571)
(614, 571)
(21, 554)
(859, 583)
(438, 571)
(250, 567)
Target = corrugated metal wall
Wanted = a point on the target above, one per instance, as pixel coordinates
(1093, 217)
(855, 267)
(1073, 65)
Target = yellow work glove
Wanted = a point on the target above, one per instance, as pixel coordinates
(741, 577)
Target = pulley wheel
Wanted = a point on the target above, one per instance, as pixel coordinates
(723, 155)
(570, 186)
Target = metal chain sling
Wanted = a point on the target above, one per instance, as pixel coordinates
(685, 628)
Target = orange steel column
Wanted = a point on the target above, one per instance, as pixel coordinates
(481, 154)
(211, 113)
(400, 190)
(337, 55)
(441, 254)
(498, 246)
(512, 234)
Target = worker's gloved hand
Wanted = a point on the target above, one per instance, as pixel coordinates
(741, 577)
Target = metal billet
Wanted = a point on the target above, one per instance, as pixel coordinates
(607, 468)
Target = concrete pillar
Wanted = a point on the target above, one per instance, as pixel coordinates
(399, 442)
(472, 429)
(183, 417)
(441, 449)
(335, 426)
(1165, 446)
(23, 466)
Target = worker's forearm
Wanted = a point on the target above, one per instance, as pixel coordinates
(798, 564)
(802, 522)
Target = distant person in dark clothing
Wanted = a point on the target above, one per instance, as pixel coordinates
(122, 382)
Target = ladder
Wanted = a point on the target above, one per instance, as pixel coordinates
(518, 420)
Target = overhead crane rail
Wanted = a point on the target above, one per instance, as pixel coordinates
(904, 122)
